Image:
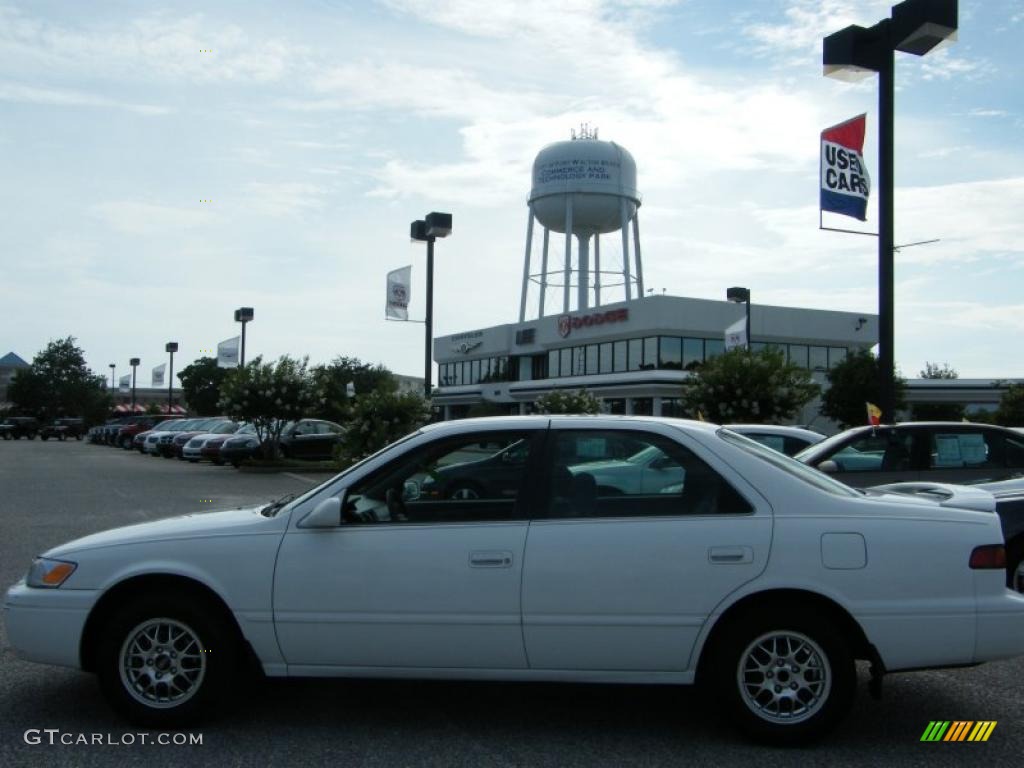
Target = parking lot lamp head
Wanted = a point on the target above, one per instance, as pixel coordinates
(171, 347)
(134, 363)
(243, 315)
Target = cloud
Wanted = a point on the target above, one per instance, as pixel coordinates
(132, 217)
(283, 199)
(63, 97)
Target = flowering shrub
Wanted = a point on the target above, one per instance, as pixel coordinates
(741, 386)
(378, 419)
(580, 401)
(268, 395)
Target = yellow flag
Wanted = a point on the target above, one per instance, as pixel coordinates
(874, 414)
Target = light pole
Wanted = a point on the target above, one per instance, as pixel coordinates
(134, 363)
(243, 315)
(172, 347)
(427, 230)
(112, 368)
(739, 295)
(916, 26)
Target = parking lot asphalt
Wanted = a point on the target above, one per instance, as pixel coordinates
(52, 492)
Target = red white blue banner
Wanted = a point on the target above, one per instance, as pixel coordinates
(845, 184)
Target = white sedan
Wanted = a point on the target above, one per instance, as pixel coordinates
(756, 576)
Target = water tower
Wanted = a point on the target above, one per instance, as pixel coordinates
(587, 188)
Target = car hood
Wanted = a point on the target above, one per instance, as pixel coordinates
(229, 522)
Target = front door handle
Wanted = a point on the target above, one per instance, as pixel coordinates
(490, 559)
(731, 555)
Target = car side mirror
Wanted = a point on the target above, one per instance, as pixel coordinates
(326, 514)
(828, 466)
(410, 490)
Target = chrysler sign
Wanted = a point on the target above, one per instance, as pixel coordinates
(566, 323)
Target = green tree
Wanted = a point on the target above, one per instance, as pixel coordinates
(332, 382)
(59, 383)
(741, 386)
(1011, 407)
(938, 411)
(559, 401)
(268, 395)
(854, 382)
(378, 419)
(201, 382)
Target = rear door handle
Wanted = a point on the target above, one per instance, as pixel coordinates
(731, 555)
(490, 559)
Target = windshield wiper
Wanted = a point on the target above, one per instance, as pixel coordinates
(272, 507)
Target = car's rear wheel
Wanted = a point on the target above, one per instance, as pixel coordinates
(787, 678)
(44, 437)
(164, 660)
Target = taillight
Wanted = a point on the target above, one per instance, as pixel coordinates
(989, 557)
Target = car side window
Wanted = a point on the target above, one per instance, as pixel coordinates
(471, 478)
(969, 449)
(659, 478)
(882, 451)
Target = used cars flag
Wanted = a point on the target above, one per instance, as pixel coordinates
(874, 414)
(158, 375)
(845, 184)
(124, 383)
(227, 353)
(399, 288)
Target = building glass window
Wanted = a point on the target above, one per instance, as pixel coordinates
(693, 353)
(605, 364)
(798, 354)
(836, 355)
(540, 367)
(591, 359)
(643, 406)
(636, 354)
(579, 361)
(615, 405)
(457, 374)
(757, 346)
(818, 358)
(780, 348)
(565, 368)
(650, 352)
(671, 353)
(619, 362)
(672, 406)
(502, 369)
(475, 373)
(713, 348)
(553, 364)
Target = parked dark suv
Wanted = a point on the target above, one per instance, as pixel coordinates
(62, 429)
(14, 427)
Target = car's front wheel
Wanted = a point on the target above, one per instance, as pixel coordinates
(787, 678)
(165, 660)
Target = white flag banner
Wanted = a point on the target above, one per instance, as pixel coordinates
(350, 389)
(399, 291)
(736, 334)
(158, 375)
(125, 384)
(227, 353)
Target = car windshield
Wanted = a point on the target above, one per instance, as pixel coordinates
(824, 447)
(227, 428)
(790, 466)
(246, 429)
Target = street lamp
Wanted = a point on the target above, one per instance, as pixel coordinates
(172, 347)
(916, 26)
(427, 230)
(739, 295)
(243, 315)
(112, 367)
(134, 363)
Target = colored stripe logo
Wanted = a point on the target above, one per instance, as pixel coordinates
(959, 730)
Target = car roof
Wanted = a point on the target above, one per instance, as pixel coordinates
(542, 421)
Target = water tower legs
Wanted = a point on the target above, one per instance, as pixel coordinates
(583, 271)
(636, 255)
(544, 272)
(624, 214)
(597, 270)
(526, 262)
(568, 253)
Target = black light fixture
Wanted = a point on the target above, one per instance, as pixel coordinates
(427, 230)
(740, 295)
(917, 27)
(243, 315)
(112, 367)
(134, 363)
(172, 347)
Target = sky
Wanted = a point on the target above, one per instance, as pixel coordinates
(166, 163)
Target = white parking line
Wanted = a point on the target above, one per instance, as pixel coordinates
(300, 478)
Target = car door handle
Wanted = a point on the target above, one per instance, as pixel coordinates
(490, 559)
(731, 555)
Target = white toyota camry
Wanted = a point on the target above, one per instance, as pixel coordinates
(744, 571)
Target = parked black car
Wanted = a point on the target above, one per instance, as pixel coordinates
(303, 439)
(15, 427)
(62, 429)
(936, 451)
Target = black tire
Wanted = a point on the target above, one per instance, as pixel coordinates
(813, 678)
(218, 462)
(208, 645)
(44, 438)
(193, 461)
(62, 437)
(78, 437)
